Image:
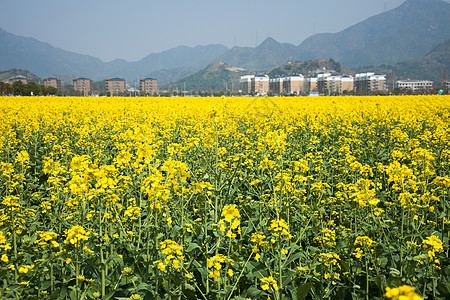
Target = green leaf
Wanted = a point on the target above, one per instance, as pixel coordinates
(143, 286)
(294, 257)
(303, 290)
(192, 246)
(253, 292)
(189, 287)
(288, 275)
(202, 270)
(380, 281)
(108, 296)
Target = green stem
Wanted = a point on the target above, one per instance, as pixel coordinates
(103, 265)
(15, 244)
(280, 268)
(367, 278)
(77, 270)
(51, 275)
(239, 277)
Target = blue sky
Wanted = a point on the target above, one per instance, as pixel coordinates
(132, 29)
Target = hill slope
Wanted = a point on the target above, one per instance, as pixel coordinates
(310, 68)
(4, 75)
(266, 56)
(215, 77)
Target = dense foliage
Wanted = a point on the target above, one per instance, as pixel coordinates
(225, 198)
(20, 89)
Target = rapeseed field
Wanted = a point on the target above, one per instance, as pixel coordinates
(225, 198)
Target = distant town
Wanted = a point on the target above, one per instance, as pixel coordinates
(326, 84)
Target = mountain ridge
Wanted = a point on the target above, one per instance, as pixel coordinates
(418, 26)
(43, 59)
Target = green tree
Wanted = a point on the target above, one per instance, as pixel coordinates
(20, 89)
(35, 89)
(5, 88)
(51, 91)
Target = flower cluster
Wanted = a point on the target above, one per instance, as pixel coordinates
(230, 221)
(362, 243)
(279, 229)
(46, 238)
(172, 256)
(75, 235)
(216, 263)
(268, 283)
(404, 292)
(434, 245)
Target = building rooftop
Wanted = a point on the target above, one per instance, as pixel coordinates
(19, 77)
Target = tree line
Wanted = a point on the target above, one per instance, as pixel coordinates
(18, 88)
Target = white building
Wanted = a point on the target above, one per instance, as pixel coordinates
(254, 84)
(245, 84)
(414, 85)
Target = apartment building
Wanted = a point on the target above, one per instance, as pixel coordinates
(446, 84)
(276, 85)
(327, 83)
(83, 85)
(294, 84)
(20, 78)
(347, 83)
(149, 86)
(370, 82)
(53, 82)
(254, 84)
(260, 85)
(310, 84)
(414, 85)
(115, 86)
(245, 84)
(324, 82)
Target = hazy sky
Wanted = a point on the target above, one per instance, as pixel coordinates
(132, 29)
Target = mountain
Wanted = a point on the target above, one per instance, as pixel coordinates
(266, 56)
(197, 56)
(429, 66)
(403, 33)
(310, 68)
(411, 30)
(169, 75)
(45, 60)
(174, 62)
(215, 77)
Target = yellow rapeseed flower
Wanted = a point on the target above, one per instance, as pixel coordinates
(404, 292)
